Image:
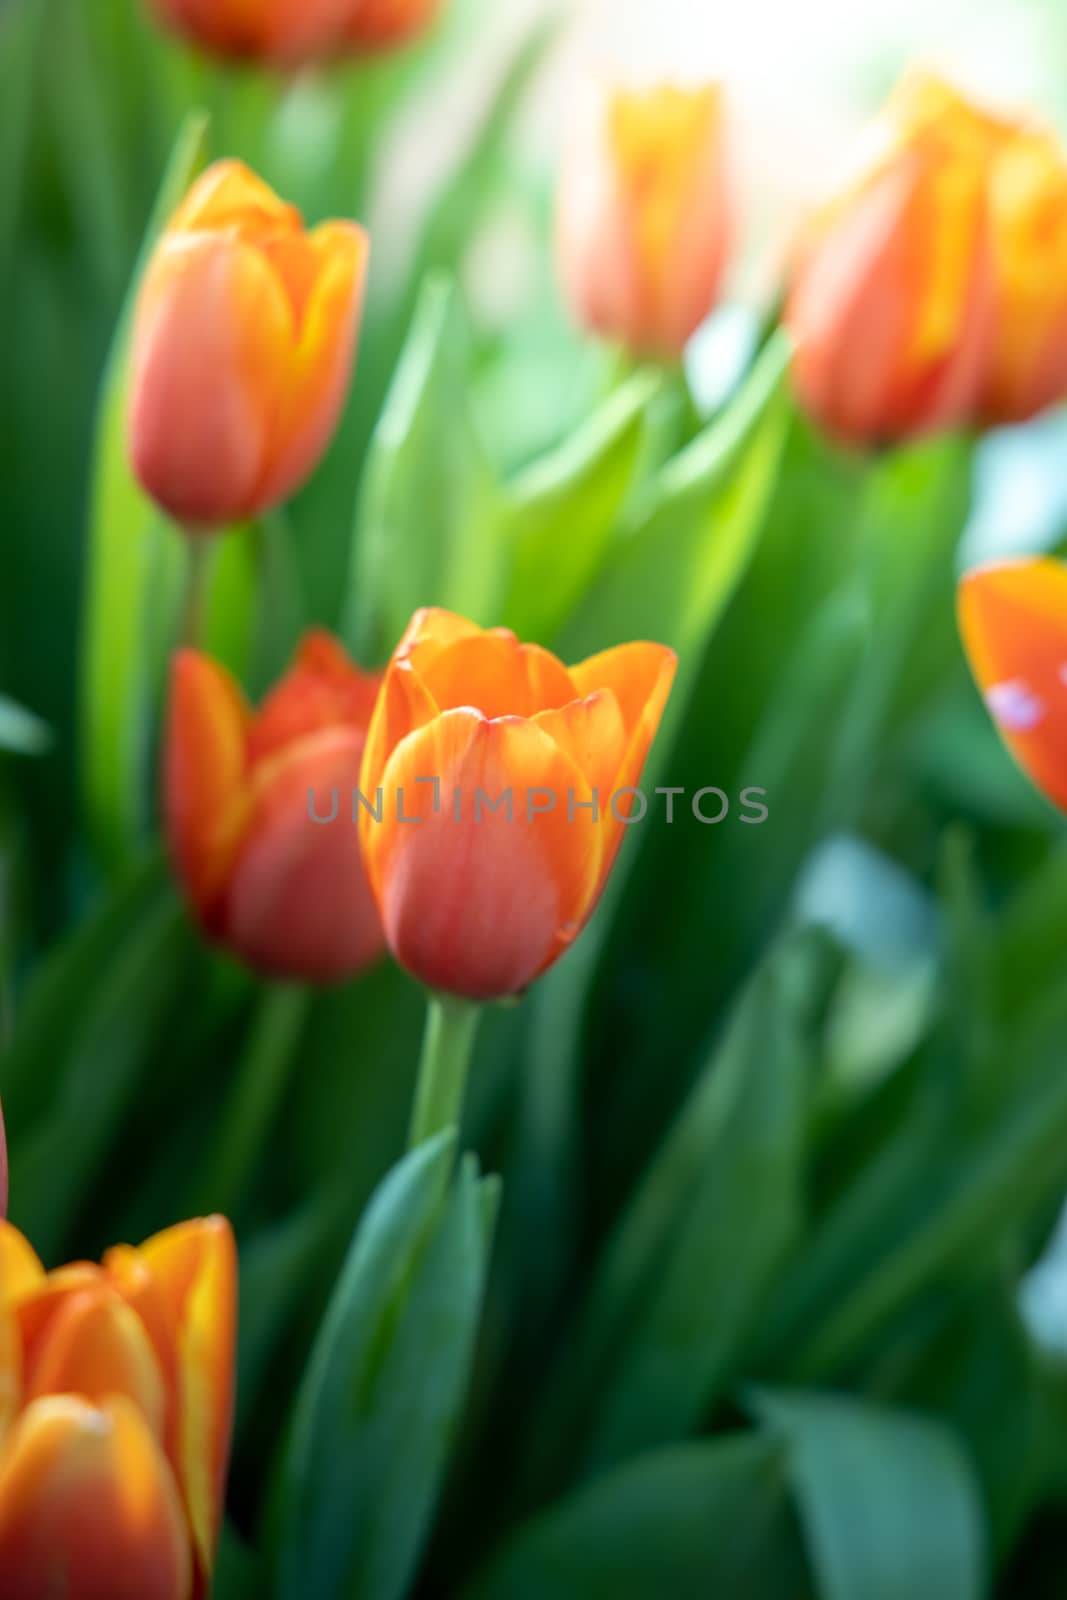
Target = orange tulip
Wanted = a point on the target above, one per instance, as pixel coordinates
(1013, 618)
(385, 24)
(284, 32)
(891, 304)
(285, 891)
(479, 901)
(643, 216)
(243, 347)
(1028, 365)
(116, 1393)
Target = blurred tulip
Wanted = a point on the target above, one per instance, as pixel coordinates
(891, 304)
(1028, 365)
(282, 32)
(477, 902)
(385, 24)
(287, 893)
(1013, 618)
(116, 1393)
(643, 216)
(243, 347)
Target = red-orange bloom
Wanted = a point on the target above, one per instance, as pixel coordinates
(478, 901)
(1013, 618)
(284, 32)
(386, 24)
(242, 793)
(116, 1395)
(243, 347)
(644, 220)
(891, 305)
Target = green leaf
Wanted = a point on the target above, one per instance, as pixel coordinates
(380, 1404)
(427, 528)
(705, 1521)
(682, 1280)
(21, 733)
(566, 508)
(133, 577)
(888, 1501)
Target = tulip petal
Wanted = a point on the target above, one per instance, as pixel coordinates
(478, 907)
(1013, 618)
(212, 346)
(195, 1265)
(96, 1346)
(322, 689)
(494, 674)
(204, 781)
(320, 364)
(592, 733)
(298, 902)
(20, 1270)
(230, 195)
(404, 704)
(384, 24)
(429, 632)
(88, 1507)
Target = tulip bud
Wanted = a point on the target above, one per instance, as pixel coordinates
(282, 32)
(1028, 363)
(116, 1394)
(243, 347)
(891, 302)
(1013, 619)
(643, 215)
(386, 24)
(501, 809)
(259, 812)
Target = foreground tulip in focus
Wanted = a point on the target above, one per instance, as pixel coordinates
(931, 292)
(243, 346)
(116, 1393)
(278, 32)
(1013, 619)
(643, 218)
(477, 901)
(285, 892)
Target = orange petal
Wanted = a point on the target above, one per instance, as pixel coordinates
(212, 351)
(230, 195)
(20, 1270)
(319, 367)
(298, 904)
(494, 674)
(88, 1507)
(430, 630)
(204, 777)
(403, 705)
(95, 1346)
(322, 689)
(478, 907)
(1013, 618)
(592, 733)
(195, 1265)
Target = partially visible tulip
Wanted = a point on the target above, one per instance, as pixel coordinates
(116, 1396)
(286, 892)
(892, 299)
(1013, 619)
(386, 24)
(280, 32)
(644, 218)
(1028, 364)
(243, 347)
(477, 902)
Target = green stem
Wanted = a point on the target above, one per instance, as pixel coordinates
(447, 1045)
(194, 599)
(253, 1106)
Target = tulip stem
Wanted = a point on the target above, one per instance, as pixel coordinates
(447, 1046)
(194, 599)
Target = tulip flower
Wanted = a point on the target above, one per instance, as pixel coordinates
(116, 1393)
(385, 24)
(892, 299)
(474, 901)
(243, 345)
(278, 32)
(643, 215)
(248, 799)
(1028, 366)
(1013, 618)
